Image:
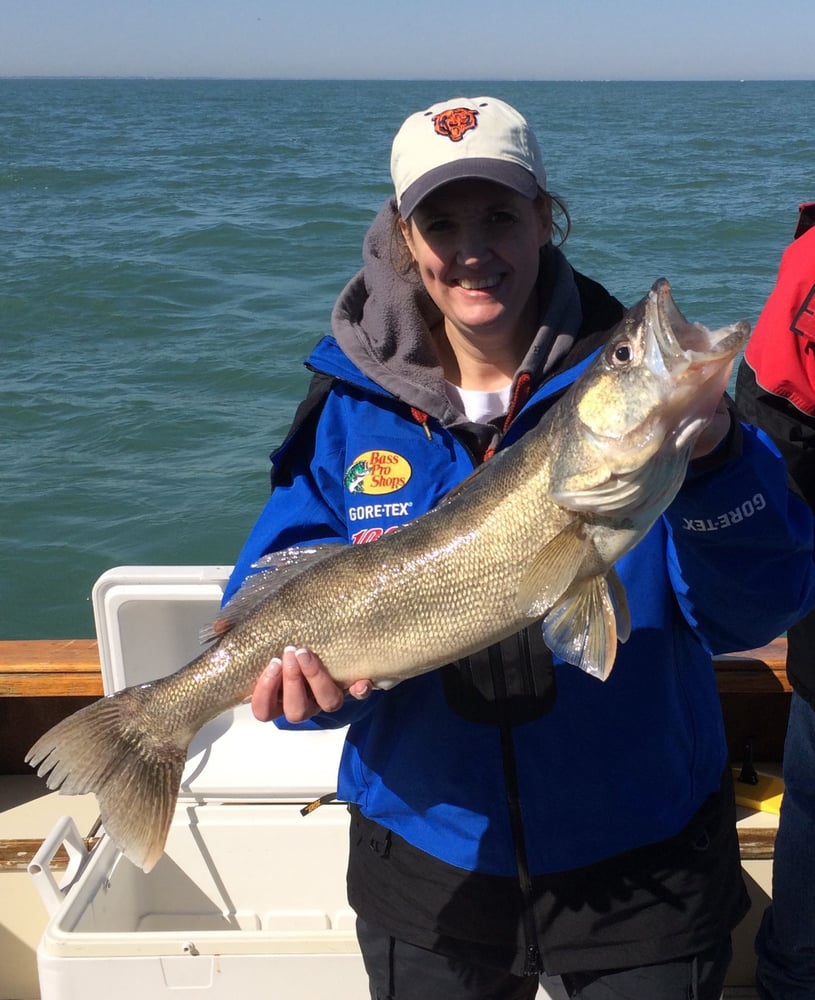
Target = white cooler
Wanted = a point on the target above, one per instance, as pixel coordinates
(249, 898)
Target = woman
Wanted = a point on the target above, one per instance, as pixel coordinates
(511, 815)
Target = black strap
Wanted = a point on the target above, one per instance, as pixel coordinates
(512, 681)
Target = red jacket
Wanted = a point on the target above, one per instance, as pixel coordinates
(775, 390)
(781, 351)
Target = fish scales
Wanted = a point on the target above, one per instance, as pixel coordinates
(471, 553)
(533, 534)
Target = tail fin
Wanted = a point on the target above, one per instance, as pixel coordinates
(134, 776)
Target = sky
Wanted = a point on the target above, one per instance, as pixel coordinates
(410, 39)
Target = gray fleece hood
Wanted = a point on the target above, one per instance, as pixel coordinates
(382, 321)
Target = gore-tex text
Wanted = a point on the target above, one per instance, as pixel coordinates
(368, 511)
(728, 518)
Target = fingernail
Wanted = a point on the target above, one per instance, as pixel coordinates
(304, 657)
(274, 668)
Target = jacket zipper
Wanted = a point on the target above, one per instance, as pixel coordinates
(533, 966)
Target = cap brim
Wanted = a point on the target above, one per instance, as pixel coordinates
(511, 175)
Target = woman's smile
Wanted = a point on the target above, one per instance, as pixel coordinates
(477, 245)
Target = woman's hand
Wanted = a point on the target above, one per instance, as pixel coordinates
(298, 686)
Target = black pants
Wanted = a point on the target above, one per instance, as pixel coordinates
(400, 971)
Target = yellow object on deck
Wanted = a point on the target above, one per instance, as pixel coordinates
(765, 795)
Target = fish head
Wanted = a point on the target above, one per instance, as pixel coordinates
(638, 409)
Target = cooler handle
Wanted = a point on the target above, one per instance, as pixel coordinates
(39, 868)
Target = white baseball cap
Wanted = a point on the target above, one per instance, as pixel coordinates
(479, 137)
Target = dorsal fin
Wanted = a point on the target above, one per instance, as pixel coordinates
(273, 570)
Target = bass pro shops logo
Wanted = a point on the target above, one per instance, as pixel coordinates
(377, 472)
(455, 122)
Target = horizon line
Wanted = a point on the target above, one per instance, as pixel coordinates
(395, 79)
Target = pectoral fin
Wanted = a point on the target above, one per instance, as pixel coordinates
(620, 601)
(582, 628)
(552, 571)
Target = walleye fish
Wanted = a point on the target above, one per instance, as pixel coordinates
(533, 534)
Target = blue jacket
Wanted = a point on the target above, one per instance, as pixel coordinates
(610, 766)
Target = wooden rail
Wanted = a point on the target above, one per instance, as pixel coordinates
(47, 668)
(17, 855)
(55, 675)
(42, 682)
(754, 671)
(42, 668)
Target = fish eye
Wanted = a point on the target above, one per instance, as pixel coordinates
(620, 354)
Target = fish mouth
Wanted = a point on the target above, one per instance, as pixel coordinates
(687, 346)
(695, 361)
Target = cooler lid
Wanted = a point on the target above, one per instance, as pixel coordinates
(148, 620)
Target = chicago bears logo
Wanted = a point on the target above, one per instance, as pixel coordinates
(455, 122)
